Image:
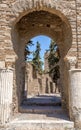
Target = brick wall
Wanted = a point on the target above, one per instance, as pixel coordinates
(14, 34)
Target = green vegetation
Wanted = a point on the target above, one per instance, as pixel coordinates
(37, 63)
(53, 59)
(27, 51)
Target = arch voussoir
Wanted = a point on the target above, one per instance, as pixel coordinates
(22, 7)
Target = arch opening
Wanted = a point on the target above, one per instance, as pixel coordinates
(39, 77)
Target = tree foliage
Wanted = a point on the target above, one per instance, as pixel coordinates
(37, 63)
(27, 51)
(53, 59)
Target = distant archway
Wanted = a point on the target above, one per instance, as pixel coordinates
(36, 80)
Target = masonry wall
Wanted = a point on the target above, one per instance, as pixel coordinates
(78, 29)
(12, 45)
(39, 83)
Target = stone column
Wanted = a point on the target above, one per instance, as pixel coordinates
(6, 87)
(75, 96)
(74, 91)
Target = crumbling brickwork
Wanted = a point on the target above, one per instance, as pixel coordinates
(20, 20)
(38, 84)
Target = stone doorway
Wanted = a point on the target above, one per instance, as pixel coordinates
(20, 21)
(46, 23)
(40, 89)
(39, 22)
(43, 21)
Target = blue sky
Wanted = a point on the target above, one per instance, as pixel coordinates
(44, 42)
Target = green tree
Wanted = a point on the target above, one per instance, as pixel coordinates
(37, 63)
(27, 51)
(53, 59)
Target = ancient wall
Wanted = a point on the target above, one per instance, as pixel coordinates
(32, 85)
(14, 33)
(46, 62)
(78, 29)
(38, 84)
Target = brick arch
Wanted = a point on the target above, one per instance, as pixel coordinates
(21, 8)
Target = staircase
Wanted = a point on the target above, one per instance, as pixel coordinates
(41, 113)
(41, 104)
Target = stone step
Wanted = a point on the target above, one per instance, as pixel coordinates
(46, 121)
(41, 109)
(43, 100)
(41, 103)
(41, 125)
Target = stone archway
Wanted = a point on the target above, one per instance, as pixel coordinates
(35, 23)
(31, 18)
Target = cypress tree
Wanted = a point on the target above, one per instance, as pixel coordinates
(27, 51)
(53, 59)
(37, 63)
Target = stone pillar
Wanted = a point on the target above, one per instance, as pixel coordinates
(6, 87)
(75, 96)
(70, 62)
(70, 65)
(74, 90)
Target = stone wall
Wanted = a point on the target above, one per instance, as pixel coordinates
(46, 66)
(14, 33)
(36, 83)
(78, 29)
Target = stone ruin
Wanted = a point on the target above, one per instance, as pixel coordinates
(20, 20)
(36, 83)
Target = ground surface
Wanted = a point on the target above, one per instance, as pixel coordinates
(37, 114)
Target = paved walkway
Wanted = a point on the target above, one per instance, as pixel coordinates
(41, 117)
(54, 121)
